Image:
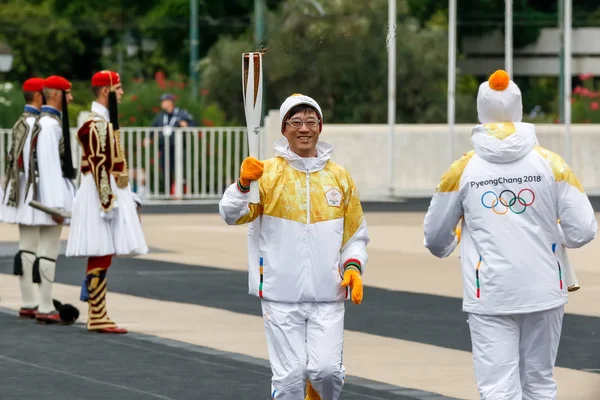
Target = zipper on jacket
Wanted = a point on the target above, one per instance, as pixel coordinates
(307, 198)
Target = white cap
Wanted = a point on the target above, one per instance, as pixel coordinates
(499, 100)
(295, 100)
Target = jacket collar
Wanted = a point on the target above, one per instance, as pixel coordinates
(306, 164)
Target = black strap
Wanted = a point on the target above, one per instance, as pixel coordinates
(37, 277)
(18, 262)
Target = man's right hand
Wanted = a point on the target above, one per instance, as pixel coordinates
(251, 170)
(58, 219)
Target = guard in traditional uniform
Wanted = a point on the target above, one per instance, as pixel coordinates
(17, 193)
(105, 220)
(46, 151)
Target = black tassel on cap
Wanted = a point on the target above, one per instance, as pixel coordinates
(68, 170)
(113, 110)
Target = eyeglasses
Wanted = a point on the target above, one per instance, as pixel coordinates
(296, 124)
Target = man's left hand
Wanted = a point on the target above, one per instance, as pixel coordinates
(352, 278)
(183, 124)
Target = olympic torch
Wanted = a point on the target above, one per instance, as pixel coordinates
(252, 82)
(570, 278)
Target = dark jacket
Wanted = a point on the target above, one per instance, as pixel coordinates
(178, 115)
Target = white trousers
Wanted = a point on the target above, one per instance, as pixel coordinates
(305, 341)
(44, 242)
(514, 355)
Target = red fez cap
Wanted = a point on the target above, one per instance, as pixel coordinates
(105, 78)
(57, 82)
(33, 85)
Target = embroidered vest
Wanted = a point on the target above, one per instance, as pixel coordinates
(118, 167)
(14, 165)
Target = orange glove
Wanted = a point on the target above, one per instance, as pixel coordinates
(352, 278)
(458, 231)
(251, 170)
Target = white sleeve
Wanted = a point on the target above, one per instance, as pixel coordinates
(440, 223)
(445, 211)
(235, 208)
(49, 167)
(575, 212)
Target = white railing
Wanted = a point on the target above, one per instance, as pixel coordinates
(182, 163)
(202, 162)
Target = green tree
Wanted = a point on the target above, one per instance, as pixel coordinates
(42, 43)
(479, 17)
(341, 60)
(67, 36)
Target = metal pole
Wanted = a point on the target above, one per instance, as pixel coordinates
(568, 10)
(508, 38)
(259, 25)
(561, 57)
(451, 76)
(194, 48)
(391, 45)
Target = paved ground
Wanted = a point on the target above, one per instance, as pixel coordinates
(196, 334)
(68, 363)
(415, 317)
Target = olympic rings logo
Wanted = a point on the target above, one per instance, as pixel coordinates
(508, 200)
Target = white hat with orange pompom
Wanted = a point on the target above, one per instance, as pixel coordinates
(499, 100)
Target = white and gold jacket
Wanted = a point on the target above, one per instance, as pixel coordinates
(308, 227)
(510, 194)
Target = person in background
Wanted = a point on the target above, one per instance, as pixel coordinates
(171, 117)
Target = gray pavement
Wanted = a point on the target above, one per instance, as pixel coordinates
(39, 361)
(417, 317)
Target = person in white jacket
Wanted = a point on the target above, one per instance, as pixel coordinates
(307, 243)
(510, 193)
